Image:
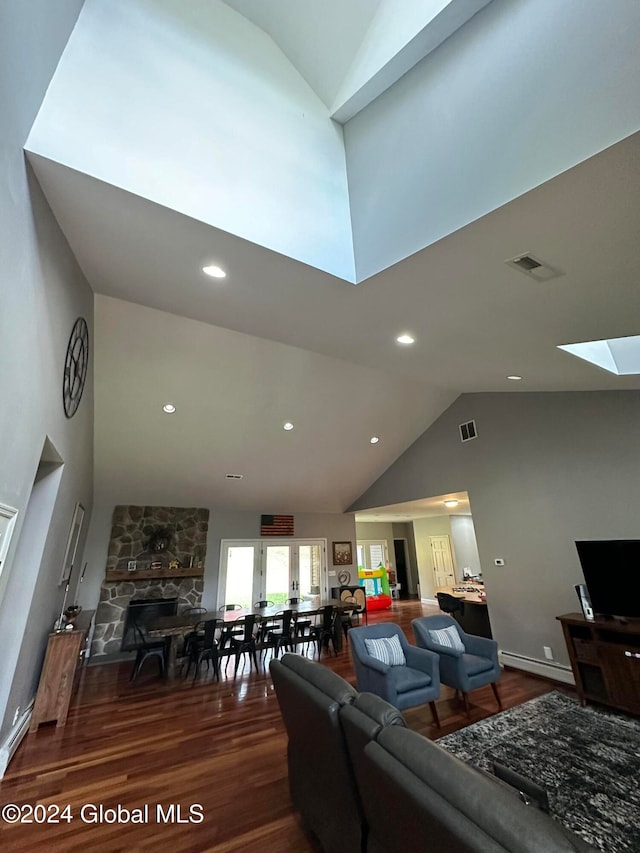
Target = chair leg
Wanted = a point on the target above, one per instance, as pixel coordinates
(434, 711)
(465, 696)
(494, 687)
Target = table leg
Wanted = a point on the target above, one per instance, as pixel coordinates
(172, 662)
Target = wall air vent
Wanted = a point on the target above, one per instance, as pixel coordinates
(468, 431)
(233, 476)
(532, 267)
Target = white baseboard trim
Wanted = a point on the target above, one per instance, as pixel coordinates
(428, 601)
(13, 739)
(554, 671)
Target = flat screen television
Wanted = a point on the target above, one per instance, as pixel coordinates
(611, 569)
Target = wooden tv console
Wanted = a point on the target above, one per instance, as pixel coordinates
(605, 659)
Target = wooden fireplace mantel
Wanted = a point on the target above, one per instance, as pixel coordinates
(152, 574)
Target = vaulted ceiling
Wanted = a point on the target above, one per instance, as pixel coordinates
(282, 338)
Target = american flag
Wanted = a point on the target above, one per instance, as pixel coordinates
(276, 525)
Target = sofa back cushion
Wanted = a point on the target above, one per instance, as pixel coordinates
(321, 780)
(442, 803)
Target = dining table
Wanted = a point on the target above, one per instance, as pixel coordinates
(174, 629)
(176, 626)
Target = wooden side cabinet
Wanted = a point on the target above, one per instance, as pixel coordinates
(58, 673)
(605, 659)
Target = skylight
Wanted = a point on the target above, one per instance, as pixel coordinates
(617, 355)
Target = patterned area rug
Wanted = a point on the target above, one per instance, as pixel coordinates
(588, 761)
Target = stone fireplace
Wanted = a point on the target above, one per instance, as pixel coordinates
(154, 553)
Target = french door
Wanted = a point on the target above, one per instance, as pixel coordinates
(255, 570)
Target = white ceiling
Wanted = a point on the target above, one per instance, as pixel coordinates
(411, 510)
(341, 377)
(279, 340)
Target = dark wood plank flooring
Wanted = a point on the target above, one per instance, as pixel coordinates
(219, 746)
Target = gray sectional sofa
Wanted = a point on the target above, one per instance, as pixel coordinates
(362, 781)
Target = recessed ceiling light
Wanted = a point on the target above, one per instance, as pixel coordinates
(451, 503)
(514, 377)
(214, 271)
(287, 426)
(374, 439)
(405, 339)
(169, 408)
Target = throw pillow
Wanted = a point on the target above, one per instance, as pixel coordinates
(448, 637)
(386, 649)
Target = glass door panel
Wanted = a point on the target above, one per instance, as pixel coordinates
(239, 575)
(309, 570)
(278, 581)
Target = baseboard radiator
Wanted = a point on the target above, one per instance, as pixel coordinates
(13, 739)
(547, 669)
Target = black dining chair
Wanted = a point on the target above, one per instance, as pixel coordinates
(284, 634)
(349, 618)
(230, 628)
(206, 648)
(149, 648)
(244, 640)
(197, 630)
(324, 632)
(302, 625)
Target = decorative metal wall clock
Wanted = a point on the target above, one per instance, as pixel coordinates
(75, 367)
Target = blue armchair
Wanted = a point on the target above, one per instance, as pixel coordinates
(466, 668)
(403, 686)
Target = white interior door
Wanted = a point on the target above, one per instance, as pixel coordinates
(443, 574)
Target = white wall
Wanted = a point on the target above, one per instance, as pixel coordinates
(380, 531)
(193, 107)
(524, 91)
(42, 292)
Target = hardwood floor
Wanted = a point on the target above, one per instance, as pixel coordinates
(221, 747)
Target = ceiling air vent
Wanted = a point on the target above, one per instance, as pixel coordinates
(532, 267)
(233, 476)
(468, 431)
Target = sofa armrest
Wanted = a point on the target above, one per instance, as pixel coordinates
(482, 646)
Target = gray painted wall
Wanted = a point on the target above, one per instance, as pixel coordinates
(545, 470)
(42, 292)
(222, 525)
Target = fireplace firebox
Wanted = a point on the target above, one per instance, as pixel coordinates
(142, 611)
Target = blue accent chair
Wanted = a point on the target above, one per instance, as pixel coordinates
(415, 683)
(464, 670)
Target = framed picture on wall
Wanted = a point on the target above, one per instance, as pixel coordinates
(342, 553)
(70, 553)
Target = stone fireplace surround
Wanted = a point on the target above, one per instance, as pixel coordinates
(131, 529)
(114, 600)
